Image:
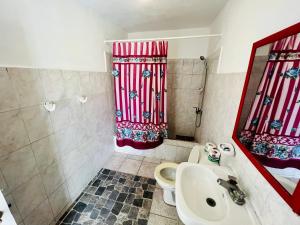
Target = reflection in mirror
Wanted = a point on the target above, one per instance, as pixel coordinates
(269, 125)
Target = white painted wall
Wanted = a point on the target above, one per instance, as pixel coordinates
(53, 34)
(183, 48)
(243, 22)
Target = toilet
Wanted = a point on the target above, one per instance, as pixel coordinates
(165, 175)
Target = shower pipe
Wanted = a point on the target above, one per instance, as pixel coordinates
(199, 110)
(165, 38)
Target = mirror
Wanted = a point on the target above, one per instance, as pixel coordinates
(268, 124)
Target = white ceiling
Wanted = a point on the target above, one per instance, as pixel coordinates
(145, 15)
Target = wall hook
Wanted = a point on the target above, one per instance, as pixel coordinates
(49, 106)
(82, 99)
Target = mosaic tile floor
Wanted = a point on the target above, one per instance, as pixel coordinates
(112, 198)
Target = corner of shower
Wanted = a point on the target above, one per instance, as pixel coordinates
(187, 100)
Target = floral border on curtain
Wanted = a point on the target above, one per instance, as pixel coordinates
(272, 130)
(140, 82)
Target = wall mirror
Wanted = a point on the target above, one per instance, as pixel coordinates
(267, 127)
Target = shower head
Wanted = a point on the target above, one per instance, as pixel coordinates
(202, 57)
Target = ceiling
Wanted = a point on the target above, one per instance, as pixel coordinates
(145, 15)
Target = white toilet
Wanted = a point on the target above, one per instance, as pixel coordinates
(165, 175)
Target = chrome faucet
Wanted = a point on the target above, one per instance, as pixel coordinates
(236, 194)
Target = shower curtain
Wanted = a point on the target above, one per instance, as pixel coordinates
(140, 86)
(272, 130)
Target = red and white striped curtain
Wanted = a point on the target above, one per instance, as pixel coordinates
(140, 82)
(272, 130)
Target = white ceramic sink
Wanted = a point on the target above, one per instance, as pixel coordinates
(200, 200)
(7, 218)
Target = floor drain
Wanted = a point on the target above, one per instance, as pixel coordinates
(211, 202)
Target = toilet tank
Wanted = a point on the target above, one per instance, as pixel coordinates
(195, 154)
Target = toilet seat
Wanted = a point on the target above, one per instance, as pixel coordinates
(160, 178)
(168, 170)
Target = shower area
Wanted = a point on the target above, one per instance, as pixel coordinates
(186, 73)
(186, 86)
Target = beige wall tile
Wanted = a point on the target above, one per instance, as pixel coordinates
(183, 81)
(8, 95)
(28, 86)
(83, 134)
(71, 83)
(18, 167)
(182, 154)
(61, 117)
(42, 215)
(80, 147)
(66, 140)
(37, 122)
(12, 132)
(29, 195)
(53, 84)
(187, 66)
(178, 64)
(45, 152)
(95, 81)
(196, 82)
(102, 155)
(94, 107)
(198, 67)
(77, 183)
(184, 85)
(229, 87)
(193, 97)
(169, 153)
(76, 110)
(106, 82)
(73, 160)
(90, 148)
(159, 151)
(85, 85)
(59, 199)
(52, 177)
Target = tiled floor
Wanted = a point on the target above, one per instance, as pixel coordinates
(113, 198)
(160, 212)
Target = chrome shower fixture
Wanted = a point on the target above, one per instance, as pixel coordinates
(202, 58)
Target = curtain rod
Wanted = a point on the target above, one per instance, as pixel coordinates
(166, 38)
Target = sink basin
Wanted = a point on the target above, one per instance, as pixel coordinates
(200, 200)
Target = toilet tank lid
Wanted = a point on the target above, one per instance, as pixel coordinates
(194, 155)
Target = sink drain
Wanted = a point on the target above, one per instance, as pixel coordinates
(211, 202)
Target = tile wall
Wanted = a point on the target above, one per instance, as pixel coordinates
(47, 158)
(185, 80)
(169, 150)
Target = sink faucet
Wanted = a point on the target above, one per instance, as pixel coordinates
(236, 194)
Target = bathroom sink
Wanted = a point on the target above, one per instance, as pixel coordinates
(200, 200)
